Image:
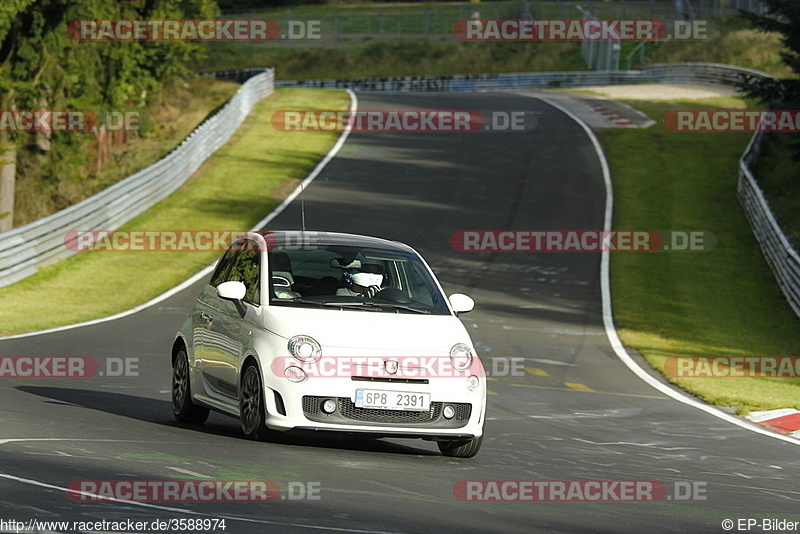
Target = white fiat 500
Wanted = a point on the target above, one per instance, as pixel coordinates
(328, 331)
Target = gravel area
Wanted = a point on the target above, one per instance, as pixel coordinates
(662, 91)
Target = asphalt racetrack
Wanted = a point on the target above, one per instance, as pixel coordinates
(576, 413)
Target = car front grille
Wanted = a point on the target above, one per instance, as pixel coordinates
(347, 411)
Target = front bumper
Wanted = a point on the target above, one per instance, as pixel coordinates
(299, 406)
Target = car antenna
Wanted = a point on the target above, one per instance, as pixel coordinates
(302, 208)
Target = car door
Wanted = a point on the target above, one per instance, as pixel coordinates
(229, 331)
(202, 314)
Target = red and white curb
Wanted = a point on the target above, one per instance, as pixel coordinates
(784, 421)
(607, 113)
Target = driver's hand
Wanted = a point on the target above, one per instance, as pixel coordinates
(371, 291)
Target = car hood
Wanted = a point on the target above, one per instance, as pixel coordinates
(355, 332)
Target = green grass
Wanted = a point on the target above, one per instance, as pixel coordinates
(723, 302)
(395, 58)
(235, 188)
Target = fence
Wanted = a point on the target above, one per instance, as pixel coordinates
(658, 73)
(779, 253)
(25, 249)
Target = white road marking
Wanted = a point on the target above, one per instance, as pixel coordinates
(187, 472)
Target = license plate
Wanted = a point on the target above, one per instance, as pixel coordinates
(393, 400)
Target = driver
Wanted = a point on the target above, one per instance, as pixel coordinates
(364, 282)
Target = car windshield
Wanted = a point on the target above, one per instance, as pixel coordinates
(353, 277)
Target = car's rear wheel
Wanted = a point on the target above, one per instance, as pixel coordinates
(182, 406)
(461, 449)
(251, 405)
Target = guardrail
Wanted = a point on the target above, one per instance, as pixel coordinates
(658, 73)
(23, 250)
(779, 253)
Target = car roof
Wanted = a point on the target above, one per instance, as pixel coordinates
(319, 238)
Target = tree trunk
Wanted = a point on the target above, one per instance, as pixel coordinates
(8, 170)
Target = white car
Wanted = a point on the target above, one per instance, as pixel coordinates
(329, 331)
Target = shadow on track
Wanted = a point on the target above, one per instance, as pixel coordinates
(159, 412)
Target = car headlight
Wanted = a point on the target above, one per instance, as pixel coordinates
(305, 349)
(461, 356)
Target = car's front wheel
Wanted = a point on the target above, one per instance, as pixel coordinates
(251, 405)
(182, 406)
(461, 449)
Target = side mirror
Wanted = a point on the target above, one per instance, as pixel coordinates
(461, 303)
(231, 290)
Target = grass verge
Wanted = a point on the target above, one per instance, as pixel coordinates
(235, 188)
(401, 57)
(723, 302)
(176, 110)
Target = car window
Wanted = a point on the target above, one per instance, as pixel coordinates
(224, 265)
(326, 274)
(246, 269)
(418, 281)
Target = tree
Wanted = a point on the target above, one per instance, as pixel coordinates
(783, 17)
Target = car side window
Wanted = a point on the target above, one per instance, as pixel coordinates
(224, 265)
(246, 269)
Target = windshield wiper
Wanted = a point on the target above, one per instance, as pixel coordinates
(299, 300)
(387, 305)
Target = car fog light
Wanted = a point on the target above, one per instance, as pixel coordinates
(473, 383)
(448, 412)
(329, 406)
(294, 374)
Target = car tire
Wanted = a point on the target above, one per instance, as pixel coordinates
(183, 408)
(461, 449)
(251, 405)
